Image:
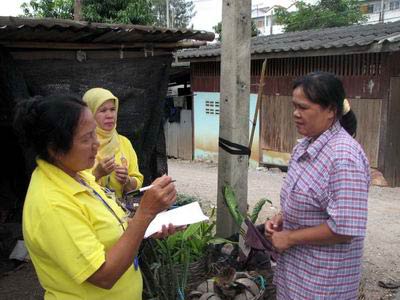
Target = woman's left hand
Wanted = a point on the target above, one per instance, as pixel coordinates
(121, 174)
(167, 231)
(281, 240)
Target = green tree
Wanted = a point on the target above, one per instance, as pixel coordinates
(62, 9)
(180, 12)
(119, 11)
(323, 14)
(107, 11)
(218, 29)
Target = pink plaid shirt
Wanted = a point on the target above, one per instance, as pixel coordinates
(327, 182)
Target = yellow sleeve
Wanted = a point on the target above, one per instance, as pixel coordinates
(67, 238)
(130, 154)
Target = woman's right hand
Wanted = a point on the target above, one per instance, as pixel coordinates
(273, 225)
(158, 198)
(104, 167)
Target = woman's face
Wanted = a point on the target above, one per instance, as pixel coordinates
(106, 115)
(83, 152)
(311, 119)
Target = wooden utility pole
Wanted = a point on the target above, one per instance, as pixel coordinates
(78, 10)
(234, 110)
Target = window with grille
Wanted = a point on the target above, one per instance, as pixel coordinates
(212, 107)
(370, 8)
(394, 5)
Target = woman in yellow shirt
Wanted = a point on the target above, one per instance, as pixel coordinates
(116, 164)
(80, 243)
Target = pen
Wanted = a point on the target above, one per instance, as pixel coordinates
(141, 191)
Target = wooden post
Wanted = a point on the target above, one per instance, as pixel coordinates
(258, 104)
(78, 10)
(234, 108)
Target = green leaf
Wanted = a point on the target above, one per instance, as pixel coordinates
(231, 202)
(191, 230)
(257, 208)
(217, 241)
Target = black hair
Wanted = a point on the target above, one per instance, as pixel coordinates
(44, 123)
(327, 90)
(349, 122)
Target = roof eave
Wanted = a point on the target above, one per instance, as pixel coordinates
(372, 48)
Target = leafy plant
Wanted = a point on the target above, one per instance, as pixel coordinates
(183, 199)
(191, 244)
(257, 208)
(166, 263)
(231, 202)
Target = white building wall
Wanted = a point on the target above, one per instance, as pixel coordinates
(263, 16)
(391, 11)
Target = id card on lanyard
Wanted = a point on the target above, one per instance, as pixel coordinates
(96, 195)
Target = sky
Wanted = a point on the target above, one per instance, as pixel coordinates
(208, 12)
(11, 7)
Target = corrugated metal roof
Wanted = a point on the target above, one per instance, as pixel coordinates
(15, 29)
(311, 40)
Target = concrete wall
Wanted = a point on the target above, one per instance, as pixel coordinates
(206, 127)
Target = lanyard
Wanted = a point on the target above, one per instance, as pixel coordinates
(98, 196)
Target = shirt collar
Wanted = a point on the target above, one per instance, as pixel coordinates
(308, 148)
(60, 178)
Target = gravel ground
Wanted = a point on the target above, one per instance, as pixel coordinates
(381, 256)
(382, 245)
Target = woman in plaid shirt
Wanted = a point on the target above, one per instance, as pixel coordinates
(320, 231)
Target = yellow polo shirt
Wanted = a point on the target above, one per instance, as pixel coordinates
(68, 231)
(125, 149)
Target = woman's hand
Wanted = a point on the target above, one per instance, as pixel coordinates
(273, 225)
(104, 167)
(281, 240)
(167, 231)
(158, 198)
(121, 174)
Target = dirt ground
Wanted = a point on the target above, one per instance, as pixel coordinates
(382, 246)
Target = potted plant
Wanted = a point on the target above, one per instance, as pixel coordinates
(174, 265)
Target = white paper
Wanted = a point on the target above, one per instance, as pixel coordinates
(183, 215)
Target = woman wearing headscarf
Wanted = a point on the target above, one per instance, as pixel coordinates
(116, 163)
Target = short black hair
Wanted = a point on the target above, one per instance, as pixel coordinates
(324, 89)
(50, 122)
(327, 90)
